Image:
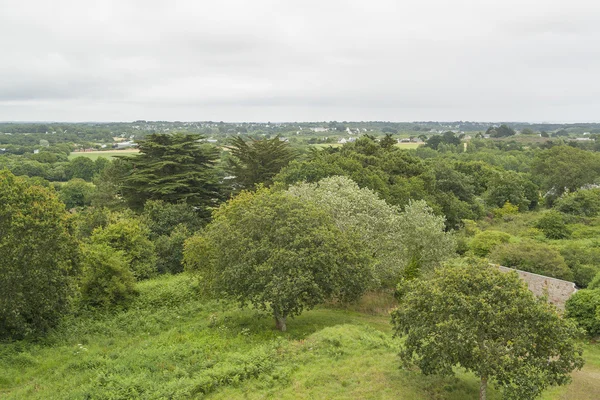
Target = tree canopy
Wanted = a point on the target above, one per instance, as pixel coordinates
(37, 258)
(489, 323)
(257, 161)
(278, 253)
(173, 168)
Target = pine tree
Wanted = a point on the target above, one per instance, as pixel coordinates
(174, 168)
(257, 161)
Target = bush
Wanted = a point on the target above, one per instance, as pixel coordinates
(533, 257)
(595, 282)
(130, 236)
(505, 211)
(484, 242)
(76, 193)
(553, 224)
(583, 260)
(583, 202)
(161, 217)
(107, 280)
(583, 307)
(169, 250)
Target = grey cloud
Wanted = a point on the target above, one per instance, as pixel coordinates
(311, 60)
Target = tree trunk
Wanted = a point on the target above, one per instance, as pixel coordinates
(280, 323)
(483, 389)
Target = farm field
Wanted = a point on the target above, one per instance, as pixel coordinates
(107, 154)
(399, 145)
(172, 344)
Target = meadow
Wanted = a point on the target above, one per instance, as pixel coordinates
(171, 344)
(107, 153)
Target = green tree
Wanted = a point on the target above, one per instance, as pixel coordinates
(489, 323)
(130, 236)
(388, 141)
(512, 187)
(107, 280)
(584, 202)
(162, 218)
(169, 250)
(174, 168)
(37, 258)
(485, 242)
(278, 253)
(82, 168)
(565, 168)
(501, 131)
(394, 238)
(257, 161)
(554, 225)
(584, 307)
(76, 193)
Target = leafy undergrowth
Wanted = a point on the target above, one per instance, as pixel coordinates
(172, 344)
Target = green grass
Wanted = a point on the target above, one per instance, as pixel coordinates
(173, 344)
(107, 154)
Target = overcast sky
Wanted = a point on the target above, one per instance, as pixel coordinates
(262, 60)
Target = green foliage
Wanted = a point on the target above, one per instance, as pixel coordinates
(583, 202)
(554, 225)
(448, 138)
(162, 218)
(108, 184)
(565, 168)
(489, 323)
(506, 211)
(584, 261)
(512, 187)
(393, 238)
(387, 142)
(130, 236)
(169, 250)
(396, 176)
(584, 307)
(85, 221)
(107, 280)
(501, 131)
(174, 168)
(422, 238)
(37, 258)
(533, 257)
(257, 161)
(76, 193)
(595, 282)
(278, 253)
(81, 168)
(486, 241)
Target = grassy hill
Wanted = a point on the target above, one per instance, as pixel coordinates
(172, 344)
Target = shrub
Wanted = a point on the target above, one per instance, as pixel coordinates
(130, 236)
(583, 260)
(553, 224)
(583, 307)
(505, 211)
(484, 242)
(584, 202)
(107, 280)
(595, 282)
(169, 250)
(161, 217)
(533, 257)
(76, 193)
